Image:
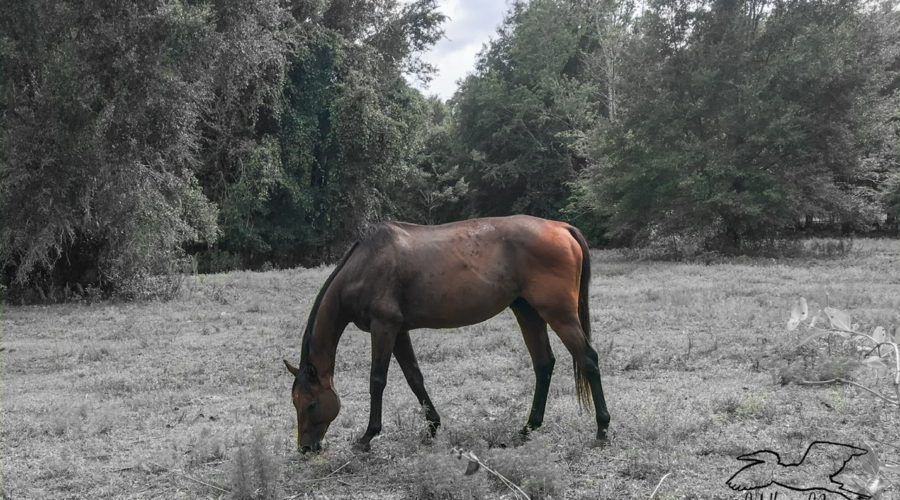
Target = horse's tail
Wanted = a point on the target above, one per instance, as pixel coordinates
(582, 387)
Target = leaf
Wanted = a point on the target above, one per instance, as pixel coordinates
(875, 362)
(812, 337)
(875, 485)
(870, 461)
(891, 469)
(855, 482)
(798, 313)
(879, 334)
(804, 309)
(839, 319)
(813, 321)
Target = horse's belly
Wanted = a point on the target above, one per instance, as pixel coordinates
(467, 303)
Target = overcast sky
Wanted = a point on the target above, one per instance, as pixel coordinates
(471, 24)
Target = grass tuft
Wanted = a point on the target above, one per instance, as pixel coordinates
(533, 467)
(206, 448)
(440, 476)
(254, 471)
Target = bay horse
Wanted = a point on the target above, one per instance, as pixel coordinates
(405, 276)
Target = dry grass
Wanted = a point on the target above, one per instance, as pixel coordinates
(182, 399)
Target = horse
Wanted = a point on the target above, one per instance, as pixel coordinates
(403, 276)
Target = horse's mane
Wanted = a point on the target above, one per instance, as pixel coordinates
(307, 335)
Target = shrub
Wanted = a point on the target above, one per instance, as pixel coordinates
(833, 353)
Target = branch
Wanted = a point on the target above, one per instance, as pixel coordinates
(178, 473)
(835, 330)
(658, 485)
(474, 459)
(897, 370)
(897, 366)
(892, 345)
(844, 381)
(324, 478)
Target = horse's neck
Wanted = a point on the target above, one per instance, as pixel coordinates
(326, 333)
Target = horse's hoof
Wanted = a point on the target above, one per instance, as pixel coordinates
(521, 437)
(602, 441)
(527, 430)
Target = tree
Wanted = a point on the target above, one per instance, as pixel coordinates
(611, 23)
(740, 118)
(347, 124)
(101, 102)
(515, 115)
(432, 188)
(240, 151)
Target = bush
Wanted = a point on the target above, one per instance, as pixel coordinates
(833, 354)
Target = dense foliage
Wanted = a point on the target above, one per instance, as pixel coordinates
(138, 138)
(515, 112)
(241, 132)
(101, 105)
(743, 118)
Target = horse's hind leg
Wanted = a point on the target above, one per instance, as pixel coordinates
(403, 353)
(534, 330)
(569, 331)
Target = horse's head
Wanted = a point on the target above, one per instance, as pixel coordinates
(317, 406)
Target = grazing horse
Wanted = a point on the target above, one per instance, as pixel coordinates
(404, 276)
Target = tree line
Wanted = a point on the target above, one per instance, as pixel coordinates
(143, 138)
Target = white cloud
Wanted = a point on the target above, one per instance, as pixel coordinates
(453, 65)
(470, 25)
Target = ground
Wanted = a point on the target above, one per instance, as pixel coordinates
(189, 398)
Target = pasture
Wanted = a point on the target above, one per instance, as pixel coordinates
(189, 398)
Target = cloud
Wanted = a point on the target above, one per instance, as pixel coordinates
(470, 26)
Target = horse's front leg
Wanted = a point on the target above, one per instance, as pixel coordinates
(406, 358)
(383, 339)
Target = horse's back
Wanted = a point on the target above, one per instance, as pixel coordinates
(465, 272)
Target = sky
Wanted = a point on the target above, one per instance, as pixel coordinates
(471, 24)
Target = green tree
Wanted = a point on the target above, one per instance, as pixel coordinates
(432, 189)
(241, 162)
(739, 119)
(515, 116)
(101, 102)
(348, 125)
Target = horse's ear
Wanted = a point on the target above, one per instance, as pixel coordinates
(291, 368)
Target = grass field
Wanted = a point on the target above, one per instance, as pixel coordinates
(189, 398)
